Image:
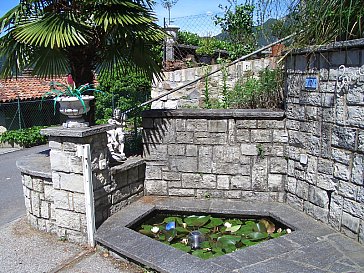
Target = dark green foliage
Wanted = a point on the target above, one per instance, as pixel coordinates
(124, 92)
(24, 137)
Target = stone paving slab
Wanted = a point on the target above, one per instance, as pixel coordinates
(311, 247)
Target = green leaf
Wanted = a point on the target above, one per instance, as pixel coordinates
(182, 247)
(202, 254)
(146, 232)
(205, 244)
(233, 229)
(173, 219)
(214, 222)
(258, 235)
(227, 240)
(147, 227)
(182, 230)
(197, 221)
(204, 230)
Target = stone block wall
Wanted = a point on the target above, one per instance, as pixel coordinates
(54, 187)
(326, 137)
(193, 95)
(126, 184)
(237, 154)
(39, 202)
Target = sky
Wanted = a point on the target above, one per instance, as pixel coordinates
(182, 8)
(185, 10)
(192, 15)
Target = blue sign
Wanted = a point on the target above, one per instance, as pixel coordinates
(311, 83)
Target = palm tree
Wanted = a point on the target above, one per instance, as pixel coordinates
(58, 37)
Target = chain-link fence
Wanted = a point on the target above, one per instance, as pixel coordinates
(26, 114)
(197, 39)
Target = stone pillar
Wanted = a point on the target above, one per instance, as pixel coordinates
(170, 42)
(67, 175)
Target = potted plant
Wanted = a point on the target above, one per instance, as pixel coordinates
(206, 50)
(73, 101)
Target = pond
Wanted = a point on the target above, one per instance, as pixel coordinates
(209, 235)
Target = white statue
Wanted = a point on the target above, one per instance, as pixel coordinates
(115, 137)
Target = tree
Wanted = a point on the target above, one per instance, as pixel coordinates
(57, 37)
(168, 4)
(237, 22)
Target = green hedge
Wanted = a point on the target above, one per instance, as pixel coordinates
(24, 137)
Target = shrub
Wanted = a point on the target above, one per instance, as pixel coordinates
(262, 92)
(24, 137)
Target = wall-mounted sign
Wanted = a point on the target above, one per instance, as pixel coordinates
(311, 83)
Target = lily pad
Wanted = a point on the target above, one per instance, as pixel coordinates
(233, 228)
(203, 254)
(204, 230)
(146, 232)
(258, 235)
(197, 221)
(205, 244)
(182, 247)
(214, 222)
(147, 227)
(226, 241)
(173, 219)
(182, 230)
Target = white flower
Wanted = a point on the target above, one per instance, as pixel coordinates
(184, 225)
(288, 230)
(279, 230)
(155, 229)
(184, 241)
(227, 224)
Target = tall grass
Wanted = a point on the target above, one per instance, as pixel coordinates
(317, 22)
(323, 21)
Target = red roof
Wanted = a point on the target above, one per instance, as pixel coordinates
(26, 87)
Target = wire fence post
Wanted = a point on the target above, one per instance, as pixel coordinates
(19, 113)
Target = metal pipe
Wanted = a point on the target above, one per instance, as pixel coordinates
(211, 73)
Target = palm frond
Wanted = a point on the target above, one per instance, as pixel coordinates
(15, 54)
(48, 63)
(52, 30)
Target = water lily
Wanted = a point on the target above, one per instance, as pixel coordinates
(227, 224)
(288, 230)
(155, 229)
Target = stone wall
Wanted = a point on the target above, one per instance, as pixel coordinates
(326, 137)
(54, 184)
(193, 95)
(126, 184)
(38, 191)
(237, 154)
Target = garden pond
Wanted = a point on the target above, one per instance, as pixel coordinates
(209, 235)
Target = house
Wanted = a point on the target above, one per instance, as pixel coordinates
(21, 103)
